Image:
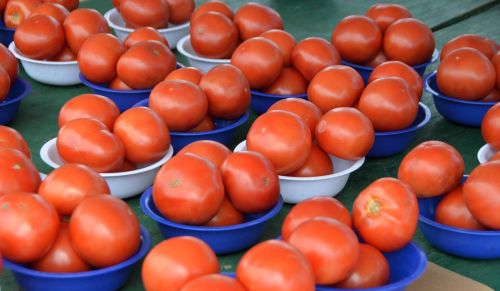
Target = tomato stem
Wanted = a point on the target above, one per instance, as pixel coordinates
(373, 207)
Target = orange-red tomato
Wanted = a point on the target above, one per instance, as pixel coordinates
(285, 42)
(312, 55)
(140, 13)
(453, 211)
(206, 124)
(306, 110)
(116, 4)
(89, 106)
(494, 96)
(16, 11)
(211, 150)
(2, 8)
(190, 74)
(69, 4)
(483, 44)
(384, 14)
(490, 127)
(126, 166)
(65, 55)
(82, 23)
(4, 84)
(318, 163)
(117, 84)
(215, 6)
(402, 70)
(289, 82)
(253, 19)
(55, 10)
(144, 33)
(11, 138)
(213, 35)
(9, 62)
(227, 215)
(213, 282)
(495, 157)
(180, 10)
(377, 60)
(496, 63)
(17, 172)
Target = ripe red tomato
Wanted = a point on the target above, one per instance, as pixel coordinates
(345, 133)
(482, 194)
(466, 74)
(377, 60)
(116, 4)
(283, 138)
(29, 226)
(39, 37)
(16, 11)
(371, 271)
(126, 166)
(253, 19)
(312, 55)
(180, 10)
(144, 33)
(384, 14)
(17, 172)
(215, 6)
(145, 64)
(483, 44)
(211, 150)
(490, 126)
(264, 52)
(318, 163)
(190, 182)
(285, 42)
(11, 138)
(409, 41)
(206, 124)
(140, 13)
(213, 282)
(494, 96)
(55, 10)
(385, 214)
(89, 106)
(452, 211)
(432, 168)
(335, 86)
(357, 38)
(213, 35)
(306, 110)
(88, 141)
(174, 262)
(275, 265)
(82, 23)
(496, 63)
(117, 84)
(69, 4)
(227, 215)
(9, 62)
(190, 74)
(402, 70)
(227, 91)
(4, 84)
(180, 114)
(65, 55)
(289, 82)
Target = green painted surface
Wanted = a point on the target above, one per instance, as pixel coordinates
(37, 119)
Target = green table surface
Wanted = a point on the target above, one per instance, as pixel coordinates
(37, 118)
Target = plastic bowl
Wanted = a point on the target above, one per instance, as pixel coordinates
(389, 143)
(485, 153)
(261, 102)
(51, 73)
(204, 64)
(366, 71)
(173, 33)
(222, 239)
(109, 278)
(297, 189)
(6, 34)
(122, 184)
(10, 106)
(469, 113)
(224, 132)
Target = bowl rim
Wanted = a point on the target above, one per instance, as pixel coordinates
(139, 254)
(262, 94)
(107, 89)
(483, 151)
(115, 26)
(44, 150)
(180, 48)
(18, 55)
(434, 58)
(27, 90)
(427, 118)
(147, 195)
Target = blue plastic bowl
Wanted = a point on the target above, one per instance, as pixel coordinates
(222, 239)
(366, 71)
(6, 34)
(10, 106)
(469, 113)
(262, 101)
(224, 132)
(109, 278)
(389, 143)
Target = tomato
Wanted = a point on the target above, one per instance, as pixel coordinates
(9, 62)
(496, 63)
(432, 168)
(275, 265)
(82, 23)
(213, 282)
(227, 215)
(263, 52)
(452, 211)
(65, 55)
(180, 10)
(494, 96)
(215, 6)
(69, 4)
(285, 42)
(104, 230)
(145, 64)
(402, 70)
(11, 138)
(227, 91)
(17, 172)
(345, 133)
(61, 258)
(174, 262)
(140, 13)
(88, 141)
(4, 84)
(117, 84)
(289, 82)
(55, 10)
(372, 270)
(213, 35)
(16, 11)
(190, 182)
(283, 138)
(357, 38)
(180, 114)
(483, 44)
(206, 124)
(98, 56)
(377, 60)
(490, 126)
(253, 19)
(312, 55)
(384, 14)
(211, 150)
(89, 106)
(409, 41)
(116, 4)
(318, 163)
(29, 226)
(495, 157)
(190, 74)
(306, 110)
(335, 86)
(144, 33)
(389, 103)
(466, 74)
(39, 37)
(125, 167)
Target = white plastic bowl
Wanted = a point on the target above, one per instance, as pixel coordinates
(51, 73)
(297, 189)
(485, 153)
(122, 184)
(173, 33)
(205, 64)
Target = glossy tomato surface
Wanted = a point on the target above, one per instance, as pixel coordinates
(213, 151)
(140, 13)
(253, 19)
(399, 69)
(82, 23)
(180, 10)
(312, 55)
(284, 40)
(17, 172)
(318, 163)
(190, 74)
(213, 35)
(89, 106)
(16, 11)
(289, 82)
(144, 33)
(215, 6)
(55, 10)
(227, 215)
(384, 14)
(453, 211)
(483, 44)
(306, 110)
(11, 138)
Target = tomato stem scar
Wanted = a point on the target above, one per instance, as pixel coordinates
(373, 207)
(176, 183)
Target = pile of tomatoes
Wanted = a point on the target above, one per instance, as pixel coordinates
(16, 11)
(9, 69)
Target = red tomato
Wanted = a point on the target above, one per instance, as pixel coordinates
(490, 127)
(126, 166)
(2, 8)
(180, 114)
(55, 10)
(4, 84)
(82, 23)
(385, 214)
(180, 10)
(116, 4)
(16, 11)
(253, 19)
(65, 55)
(495, 157)
(496, 63)
(140, 13)
(69, 4)
(89, 106)
(466, 74)
(11, 138)
(227, 91)
(211, 150)
(206, 124)
(215, 6)
(312, 55)
(402, 70)
(117, 84)
(289, 82)
(306, 110)
(283, 138)
(213, 35)
(227, 215)
(318, 163)
(285, 42)
(29, 226)
(377, 60)
(345, 133)
(357, 38)
(213, 282)
(452, 211)
(371, 271)
(174, 262)
(432, 168)
(335, 86)
(409, 41)
(9, 62)
(190, 182)
(275, 265)
(144, 33)
(17, 172)
(190, 74)
(483, 44)
(384, 14)
(494, 96)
